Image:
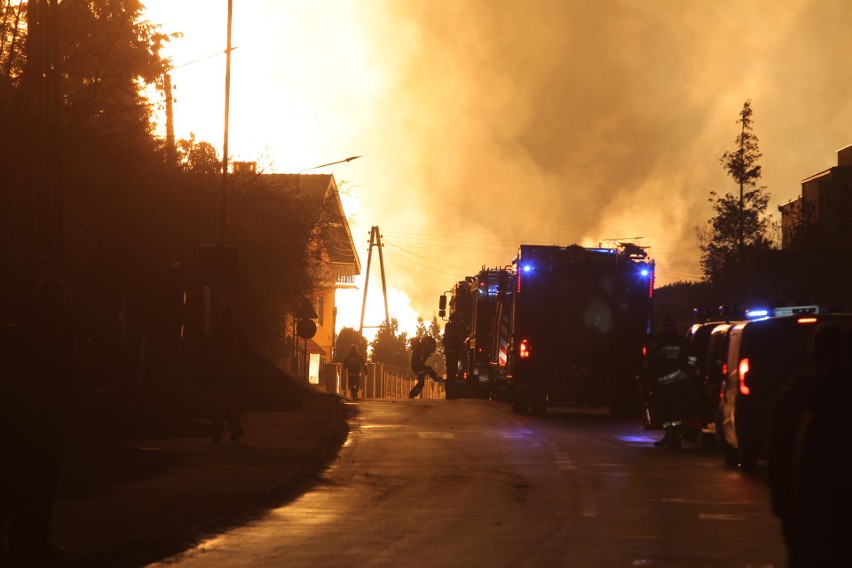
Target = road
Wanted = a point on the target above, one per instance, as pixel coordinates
(468, 483)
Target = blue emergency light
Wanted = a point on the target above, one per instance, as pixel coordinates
(527, 268)
(757, 313)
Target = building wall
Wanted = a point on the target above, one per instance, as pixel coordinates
(325, 323)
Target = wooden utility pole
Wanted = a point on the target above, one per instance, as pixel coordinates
(227, 116)
(375, 241)
(170, 121)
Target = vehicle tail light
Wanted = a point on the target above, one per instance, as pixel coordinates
(744, 369)
(644, 350)
(524, 349)
(806, 320)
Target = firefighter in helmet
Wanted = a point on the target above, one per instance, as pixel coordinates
(420, 351)
(671, 365)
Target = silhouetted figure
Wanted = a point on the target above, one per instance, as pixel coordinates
(354, 364)
(826, 346)
(453, 342)
(223, 357)
(670, 366)
(821, 499)
(420, 352)
(33, 416)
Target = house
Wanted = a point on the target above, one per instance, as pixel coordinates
(337, 265)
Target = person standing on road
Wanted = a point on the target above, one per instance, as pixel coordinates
(353, 364)
(421, 350)
(223, 357)
(453, 342)
(670, 366)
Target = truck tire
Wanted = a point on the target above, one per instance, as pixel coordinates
(520, 406)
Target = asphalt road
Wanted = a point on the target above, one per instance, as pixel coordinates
(468, 483)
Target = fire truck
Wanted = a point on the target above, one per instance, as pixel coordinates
(571, 326)
(475, 300)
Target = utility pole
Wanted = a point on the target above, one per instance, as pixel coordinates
(170, 121)
(375, 241)
(227, 115)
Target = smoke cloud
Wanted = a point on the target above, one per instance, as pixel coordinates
(485, 124)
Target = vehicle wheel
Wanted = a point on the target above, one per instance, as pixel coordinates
(708, 439)
(620, 408)
(520, 406)
(451, 392)
(539, 407)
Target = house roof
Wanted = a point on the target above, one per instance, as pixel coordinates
(322, 195)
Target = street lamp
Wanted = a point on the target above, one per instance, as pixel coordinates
(349, 159)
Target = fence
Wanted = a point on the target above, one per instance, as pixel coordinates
(382, 381)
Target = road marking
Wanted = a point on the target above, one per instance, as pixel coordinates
(443, 435)
(563, 461)
(722, 517)
(702, 502)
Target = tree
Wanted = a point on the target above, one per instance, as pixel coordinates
(198, 157)
(345, 339)
(739, 224)
(391, 347)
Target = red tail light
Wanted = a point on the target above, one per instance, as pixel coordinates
(524, 349)
(644, 351)
(744, 369)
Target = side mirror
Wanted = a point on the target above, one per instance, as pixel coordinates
(442, 306)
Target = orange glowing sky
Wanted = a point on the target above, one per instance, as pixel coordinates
(487, 123)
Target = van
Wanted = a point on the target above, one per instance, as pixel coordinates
(764, 356)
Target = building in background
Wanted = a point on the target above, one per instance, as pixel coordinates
(819, 217)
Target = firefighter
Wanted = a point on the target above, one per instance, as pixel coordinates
(671, 365)
(453, 342)
(420, 351)
(354, 363)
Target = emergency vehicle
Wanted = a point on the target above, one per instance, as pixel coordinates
(571, 327)
(475, 299)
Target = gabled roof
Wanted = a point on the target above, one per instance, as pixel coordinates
(321, 194)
